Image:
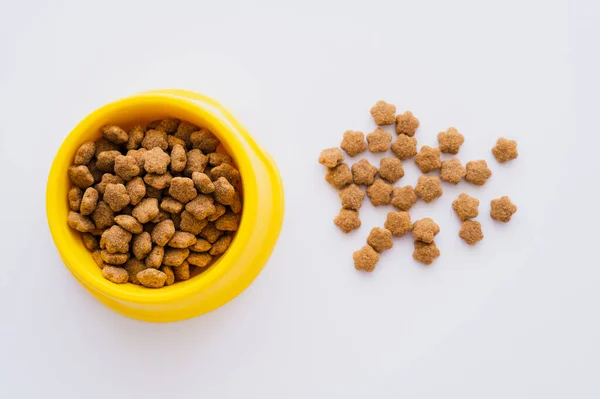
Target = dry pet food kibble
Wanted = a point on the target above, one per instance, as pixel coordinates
(352, 197)
(390, 169)
(505, 150)
(353, 143)
(331, 157)
(398, 223)
(363, 172)
(407, 124)
(425, 253)
(383, 113)
(347, 220)
(470, 231)
(379, 140)
(339, 176)
(428, 188)
(478, 172)
(404, 198)
(404, 147)
(425, 230)
(502, 209)
(450, 141)
(428, 159)
(380, 193)
(466, 207)
(365, 258)
(380, 239)
(146, 200)
(452, 171)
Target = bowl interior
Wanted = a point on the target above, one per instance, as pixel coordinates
(126, 113)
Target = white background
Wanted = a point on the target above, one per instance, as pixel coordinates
(516, 316)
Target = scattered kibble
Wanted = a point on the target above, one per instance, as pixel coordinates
(144, 201)
(352, 197)
(347, 220)
(380, 239)
(380, 193)
(505, 150)
(452, 171)
(450, 141)
(478, 172)
(404, 198)
(466, 207)
(339, 176)
(404, 147)
(428, 188)
(398, 223)
(366, 258)
(425, 253)
(425, 230)
(407, 124)
(379, 140)
(330, 157)
(390, 169)
(383, 113)
(363, 173)
(353, 143)
(502, 209)
(428, 159)
(470, 231)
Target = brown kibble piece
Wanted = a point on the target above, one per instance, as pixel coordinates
(96, 173)
(159, 182)
(75, 195)
(221, 245)
(478, 172)
(142, 245)
(398, 223)
(81, 176)
(168, 125)
(129, 223)
(136, 135)
(163, 232)
(190, 224)
(428, 159)
(103, 216)
(352, 197)
(116, 239)
(428, 188)
(425, 253)
(182, 239)
(171, 205)
(201, 207)
(466, 207)
(450, 141)
(380, 193)
(178, 158)
(89, 241)
(104, 145)
(115, 134)
(184, 131)
(199, 260)
(168, 271)
(379, 140)
(117, 275)
(156, 161)
(80, 223)
(203, 183)
(146, 210)
(365, 259)
(205, 141)
(363, 172)
(353, 143)
(155, 257)
(175, 256)
(161, 217)
(407, 124)
(115, 196)
(182, 272)
(502, 209)
(425, 230)
(136, 189)
(114, 259)
(470, 231)
(236, 206)
(217, 158)
(155, 139)
(196, 162)
(224, 191)
(172, 141)
(89, 201)
(383, 113)
(105, 161)
(331, 157)
(220, 210)
(452, 171)
(404, 198)
(182, 189)
(98, 258)
(390, 169)
(228, 222)
(339, 176)
(201, 245)
(380, 239)
(404, 147)
(152, 278)
(347, 220)
(139, 157)
(107, 179)
(227, 171)
(133, 267)
(126, 167)
(505, 150)
(85, 153)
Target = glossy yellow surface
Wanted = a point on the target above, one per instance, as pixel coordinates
(259, 228)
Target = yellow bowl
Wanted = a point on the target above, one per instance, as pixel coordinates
(258, 231)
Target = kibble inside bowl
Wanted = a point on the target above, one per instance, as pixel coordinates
(164, 214)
